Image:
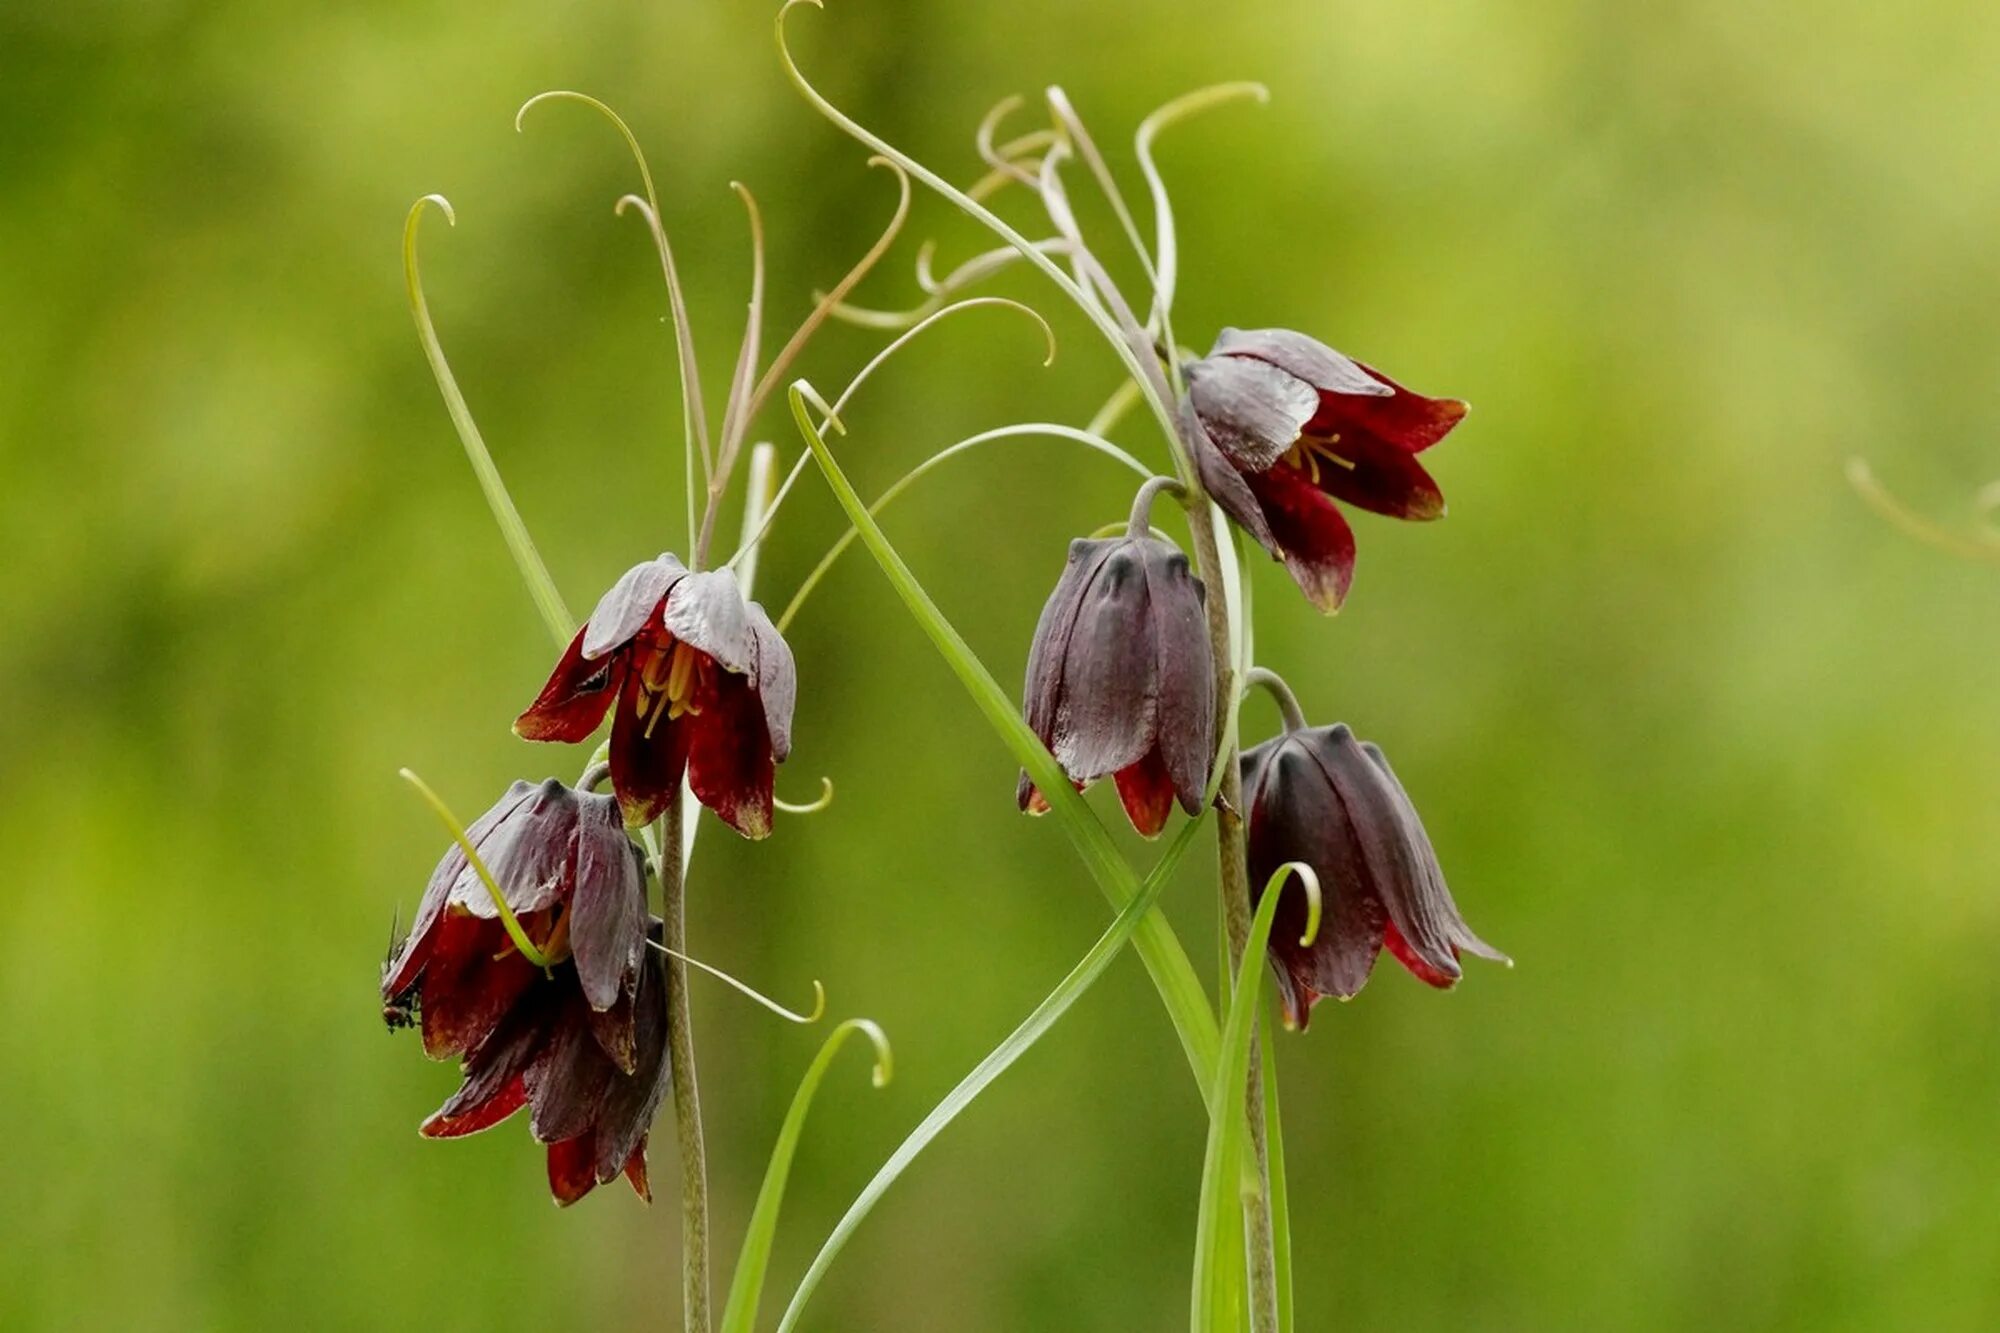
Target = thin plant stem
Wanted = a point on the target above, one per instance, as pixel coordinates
(687, 1093)
(1233, 871)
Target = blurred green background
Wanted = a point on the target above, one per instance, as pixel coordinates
(1707, 746)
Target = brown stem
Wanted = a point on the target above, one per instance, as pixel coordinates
(687, 1096)
(1234, 874)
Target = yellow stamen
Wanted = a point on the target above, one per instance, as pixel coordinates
(681, 678)
(1310, 452)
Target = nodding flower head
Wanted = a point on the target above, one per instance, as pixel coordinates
(1121, 682)
(574, 882)
(1281, 426)
(697, 680)
(1317, 795)
(550, 1053)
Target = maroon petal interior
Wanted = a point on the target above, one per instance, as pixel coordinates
(1312, 537)
(1383, 479)
(1147, 791)
(730, 765)
(572, 704)
(645, 769)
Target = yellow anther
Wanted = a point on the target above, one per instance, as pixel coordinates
(680, 679)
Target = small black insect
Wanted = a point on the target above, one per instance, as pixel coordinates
(400, 1010)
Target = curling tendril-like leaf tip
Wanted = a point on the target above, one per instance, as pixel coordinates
(813, 807)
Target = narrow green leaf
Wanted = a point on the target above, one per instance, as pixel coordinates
(739, 1315)
(1058, 1001)
(526, 558)
(1158, 946)
(1281, 1207)
(1218, 1303)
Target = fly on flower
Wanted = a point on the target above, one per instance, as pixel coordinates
(696, 679)
(574, 882)
(1281, 426)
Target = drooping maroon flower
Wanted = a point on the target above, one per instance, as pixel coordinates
(1120, 679)
(696, 679)
(1315, 794)
(575, 882)
(592, 1097)
(1281, 426)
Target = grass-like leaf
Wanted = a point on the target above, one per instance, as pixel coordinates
(1218, 1298)
(1158, 946)
(526, 558)
(739, 1314)
(1080, 979)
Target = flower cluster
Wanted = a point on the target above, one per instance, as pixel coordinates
(577, 1032)
(697, 682)
(1120, 675)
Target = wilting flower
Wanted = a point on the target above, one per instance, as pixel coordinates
(1315, 794)
(1282, 425)
(592, 1095)
(701, 681)
(1121, 680)
(576, 884)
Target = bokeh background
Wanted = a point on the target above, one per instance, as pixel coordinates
(1703, 742)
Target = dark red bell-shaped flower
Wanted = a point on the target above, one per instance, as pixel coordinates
(576, 884)
(1121, 682)
(1281, 426)
(1315, 794)
(696, 679)
(550, 1053)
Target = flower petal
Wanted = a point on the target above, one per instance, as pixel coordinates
(1406, 419)
(1295, 815)
(1106, 703)
(635, 1098)
(573, 701)
(635, 1171)
(1401, 865)
(1224, 484)
(572, 1168)
(567, 1085)
(1311, 536)
(1185, 710)
(401, 970)
(466, 989)
(777, 681)
(1147, 793)
(1460, 934)
(632, 601)
(607, 923)
(707, 611)
(730, 764)
(1383, 479)
(493, 1088)
(645, 769)
(1308, 358)
(1253, 411)
(1043, 686)
(530, 855)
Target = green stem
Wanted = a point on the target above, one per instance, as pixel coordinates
(1234, 876)
(687, 1095)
